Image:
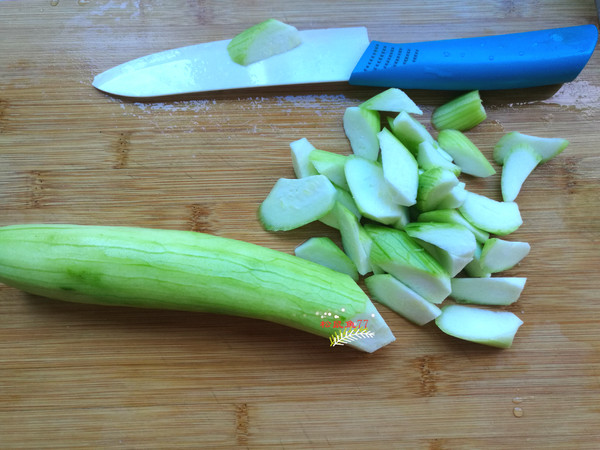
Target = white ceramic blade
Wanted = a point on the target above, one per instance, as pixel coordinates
(326, 55)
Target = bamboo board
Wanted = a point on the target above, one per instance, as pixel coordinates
(84, 376)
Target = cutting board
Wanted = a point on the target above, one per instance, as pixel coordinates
(85, 376)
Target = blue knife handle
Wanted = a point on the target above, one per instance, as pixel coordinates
(518, 60)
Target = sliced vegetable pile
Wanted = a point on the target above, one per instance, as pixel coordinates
(407, 222)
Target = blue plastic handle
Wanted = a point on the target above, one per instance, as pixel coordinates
(533, 58)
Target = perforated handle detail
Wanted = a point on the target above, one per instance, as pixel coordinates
(517, 60)
(385, 56)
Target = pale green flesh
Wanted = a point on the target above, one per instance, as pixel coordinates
(495, 217)
(301, 150)
(400, 169)
(461, 113)
(474, 269)
(442, 152)
(518, 165)
(487, 291)
(453, 246)
(498, 255)
(455, 198)
(403, 220)
(453, 238)
(331, 165)
(370, 191)
(361, 127)
(394, 252)
(345, 198)
(547, 148)
(410, 131)
(453, 216)
(493, 328)
(355, 240)
(430, 156)
(451, 262)
(293, 203)
(390, 292)
(392, 100)
(434, 185)
(262, 41)
(434, 288)
(322, 250)
(465, 154)
(179, 270)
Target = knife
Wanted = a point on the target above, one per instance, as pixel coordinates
(506, 61)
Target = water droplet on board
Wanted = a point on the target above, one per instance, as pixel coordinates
(54, 2)
(521, 399)
(83, 2)
(518, 411)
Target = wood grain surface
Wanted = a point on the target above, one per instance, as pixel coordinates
(75, 376)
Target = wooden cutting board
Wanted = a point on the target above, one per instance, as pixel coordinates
(83, 376)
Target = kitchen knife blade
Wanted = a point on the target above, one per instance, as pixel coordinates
(326, 55)
(516, 60)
